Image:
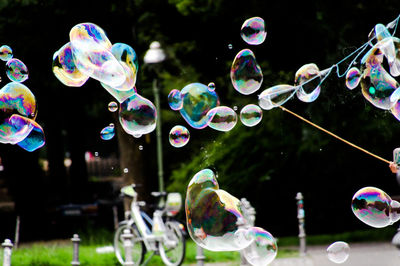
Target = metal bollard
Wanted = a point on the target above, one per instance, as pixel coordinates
(75, 244)
(302, 231)
(128, 245)
(200, 256)
(7, 245)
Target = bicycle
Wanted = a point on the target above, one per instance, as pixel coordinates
(165, 238)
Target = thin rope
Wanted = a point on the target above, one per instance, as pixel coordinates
(334, 135)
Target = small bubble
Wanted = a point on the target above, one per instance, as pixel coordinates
(235, 108)
(96, 154)
(140, 147)
(126, 170)
(230, 46)
(112, 106)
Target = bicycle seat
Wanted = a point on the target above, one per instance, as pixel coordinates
(158, 194)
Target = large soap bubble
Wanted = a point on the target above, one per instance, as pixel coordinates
(246, 74)
(91, 50)
(253, 31)
(338, 252)
(197, 100)
(64, 68)
(14, 129)
(137, 115)
(263, 250)
(375, 208)
(175, 100)
(212, 214)
(222, 118)
(35, 139)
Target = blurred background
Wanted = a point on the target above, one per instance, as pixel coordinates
(74, 180)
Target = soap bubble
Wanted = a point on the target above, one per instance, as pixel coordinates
(212, 214)
(222, 118)
(338, 252)
(275, 96)
(175, 100)
(310, 90)
(34, 140)
(263, 250)
(353, 78)
(251, 115)
(17, 98)
(126, 170)
(253, 31)
(137, 135)
(112, 106)
(108, 132)
(235, 108)
(197, 101)
(137, 115)
(91, 50)
(375, 208)
(15, 128)
(211, 86)
(126, 54)
(378, 33)
(140, 147)
(128, 83)
(230, 46)
(246, 74)
(179, 136)
(5, 53)
(377, 85)
(16, 70)
(64, 68)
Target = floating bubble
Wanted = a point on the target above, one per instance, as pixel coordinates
(126, 170)
(378, 33)
(197, 101)
(222, 118)
(263, 250)
(175, 100)
(246, 74)
(16, 70)
(34, 140)
(251, 115)
(394, 63)
(230, 46)
(212, 214)
(395, 110)
(235, 108)
(17, 98)
(179, 136)
(253, 31)
(5, 53)
(211, 86)
(375, 208)
(128, 83)
(338, 252)
(137, 115)
(108, 132)
(64, 68)
(112, 106)
(353, 78)
(137, 135)
(140, 147)
(91, 50)
(307, 77)
(126, 54)
(377, 85)
(15, 129)
(275, 96)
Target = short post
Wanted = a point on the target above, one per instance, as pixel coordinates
(17, 226)
(128, 245)
(7, 245)
(200, 256)
(115, 215)
(302, 231)
(75, 244)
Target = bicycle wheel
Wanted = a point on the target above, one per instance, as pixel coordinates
(172, 251)
(138, 249)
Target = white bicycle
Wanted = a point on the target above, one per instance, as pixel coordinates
(165, 238)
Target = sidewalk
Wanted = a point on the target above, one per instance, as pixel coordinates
(365, 254)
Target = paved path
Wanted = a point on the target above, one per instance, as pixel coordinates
(371, 254)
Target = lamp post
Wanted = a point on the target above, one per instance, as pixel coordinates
(153, 56)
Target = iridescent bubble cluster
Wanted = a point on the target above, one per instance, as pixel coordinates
(224, 231)
(89, 53)
(338, 252)
(18, 107)
(375, 208)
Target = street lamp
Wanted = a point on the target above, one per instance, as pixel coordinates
(153, 56)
